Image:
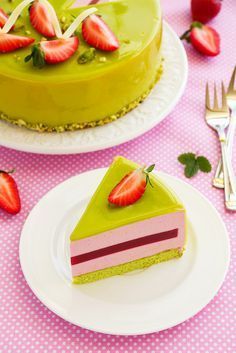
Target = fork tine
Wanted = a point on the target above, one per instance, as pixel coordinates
(215, 106)
(224, 100)
(208, 104)
(232, 81)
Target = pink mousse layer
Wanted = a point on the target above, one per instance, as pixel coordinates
(132, 231)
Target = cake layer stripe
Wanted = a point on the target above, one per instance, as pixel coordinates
(150, 239)
(125, 256)
(128, 232)
(121, 269)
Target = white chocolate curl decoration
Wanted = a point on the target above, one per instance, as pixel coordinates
(14, 16)
(68, 33)
(79, 19)
(54, 18)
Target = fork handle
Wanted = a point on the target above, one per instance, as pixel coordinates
(218, 180)
(229, 177)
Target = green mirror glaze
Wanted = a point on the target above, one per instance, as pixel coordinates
(100, 216)
(72, 95)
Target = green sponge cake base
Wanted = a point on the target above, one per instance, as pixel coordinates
(129, 266)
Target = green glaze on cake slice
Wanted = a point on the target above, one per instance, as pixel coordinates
(110, 240)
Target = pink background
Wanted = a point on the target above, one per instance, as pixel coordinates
(26, 325)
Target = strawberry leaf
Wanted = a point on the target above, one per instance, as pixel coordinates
(147, 171)
(196, 24)
(204, 164)
(148, 181)
(150, 168)
(186, 36)
(37, 57)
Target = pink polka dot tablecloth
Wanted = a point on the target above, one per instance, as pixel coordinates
(26, 326)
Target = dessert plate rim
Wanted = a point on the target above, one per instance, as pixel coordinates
(54, 289)
(167, 92)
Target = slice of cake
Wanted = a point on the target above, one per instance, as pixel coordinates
(132, 221)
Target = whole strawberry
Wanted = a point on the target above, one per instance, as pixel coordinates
(205, 39)
(9, 194)
(204, 10)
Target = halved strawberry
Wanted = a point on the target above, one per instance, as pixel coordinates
(53, 52)
(9, 195)
(57, 51)
(3, 18)
(41, 20)
(12, 42)
(97, 34)
(131, 188)
(204, 39)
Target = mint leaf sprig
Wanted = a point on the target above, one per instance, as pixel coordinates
(193, 164)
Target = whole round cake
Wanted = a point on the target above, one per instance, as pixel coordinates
(67, 66)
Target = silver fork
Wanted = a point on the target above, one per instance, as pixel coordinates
(218, 119)
(218, 180)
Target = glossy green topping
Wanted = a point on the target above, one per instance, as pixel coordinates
(81, 125)
(121, 16)
(100, 216)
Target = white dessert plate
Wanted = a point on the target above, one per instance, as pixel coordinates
(152, 111)
(140, 302)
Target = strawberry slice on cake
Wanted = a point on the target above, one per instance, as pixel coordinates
(12, 42)
(97, 34)
(53, 52)
(41, 20)
(3, 18)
